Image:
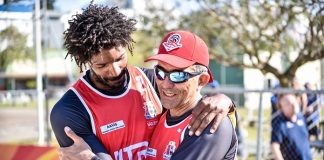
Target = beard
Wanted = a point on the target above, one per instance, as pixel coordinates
(113, 83)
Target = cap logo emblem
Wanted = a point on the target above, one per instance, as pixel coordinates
(173, 42)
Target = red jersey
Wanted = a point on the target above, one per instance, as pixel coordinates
(125, 123)
(162, 147)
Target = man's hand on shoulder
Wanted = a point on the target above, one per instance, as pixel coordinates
(80, 150)
(208, 109)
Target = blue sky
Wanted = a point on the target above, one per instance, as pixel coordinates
(69, 5)
(66, 5)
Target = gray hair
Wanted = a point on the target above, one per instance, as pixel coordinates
(200, 68)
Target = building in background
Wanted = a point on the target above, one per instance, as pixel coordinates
(20, 15)
(21, 74)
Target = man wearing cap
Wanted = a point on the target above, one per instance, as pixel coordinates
(181, 72)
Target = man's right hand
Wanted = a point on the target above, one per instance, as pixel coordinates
(80, 150)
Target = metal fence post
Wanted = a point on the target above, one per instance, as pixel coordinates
(260, 126)
(39, 77)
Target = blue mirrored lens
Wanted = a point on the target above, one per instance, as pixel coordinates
(160, 74)
(174, 76)
(178, 76)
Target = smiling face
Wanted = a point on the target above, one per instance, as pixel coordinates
(180, 97)
(108, 68)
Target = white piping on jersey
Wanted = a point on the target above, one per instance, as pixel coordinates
(175, 125)
(106, 96)
(87, 108)
(152, 88)
(183, 132)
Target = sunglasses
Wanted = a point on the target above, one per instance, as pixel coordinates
(175, 76)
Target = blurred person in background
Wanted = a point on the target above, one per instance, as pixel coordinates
(289, 134)
(301, 97)
(213, 86)
(312, 113)
(273, 100)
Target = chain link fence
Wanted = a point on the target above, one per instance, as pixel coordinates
(256, 114)
(18, 118)
(19, 115)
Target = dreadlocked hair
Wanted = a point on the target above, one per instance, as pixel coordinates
(98, 27)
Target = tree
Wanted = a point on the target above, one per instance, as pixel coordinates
(260, 30)
(13, 46)
(142, 48)
(155, 23)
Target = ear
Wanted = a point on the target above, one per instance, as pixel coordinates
(203, 79)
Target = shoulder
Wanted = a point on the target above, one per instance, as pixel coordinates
(148, 72)
(69, 101)
(219, 145)
(224, 131)
(68, 109)
(278, 120)
(150, 75)
(225, 127)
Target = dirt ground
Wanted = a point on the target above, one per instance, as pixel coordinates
(18, 125)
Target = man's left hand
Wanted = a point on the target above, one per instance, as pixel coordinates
(209, 109)
(80, 150)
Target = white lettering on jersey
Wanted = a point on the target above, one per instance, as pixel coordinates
(119, 154)
(128, 150)
(112, 126)
(153, 123)
(151, 152)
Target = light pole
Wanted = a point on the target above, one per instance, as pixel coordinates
(39, 79)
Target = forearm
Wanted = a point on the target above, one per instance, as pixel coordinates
(276, 151)
(102, 156)
(69, 153)
(80, 150)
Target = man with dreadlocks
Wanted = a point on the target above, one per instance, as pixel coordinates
(114, 107)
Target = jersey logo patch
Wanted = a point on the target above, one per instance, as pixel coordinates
(289, 125)
(112, 126)
(150, 110)
(173, 42)
(169, 150)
